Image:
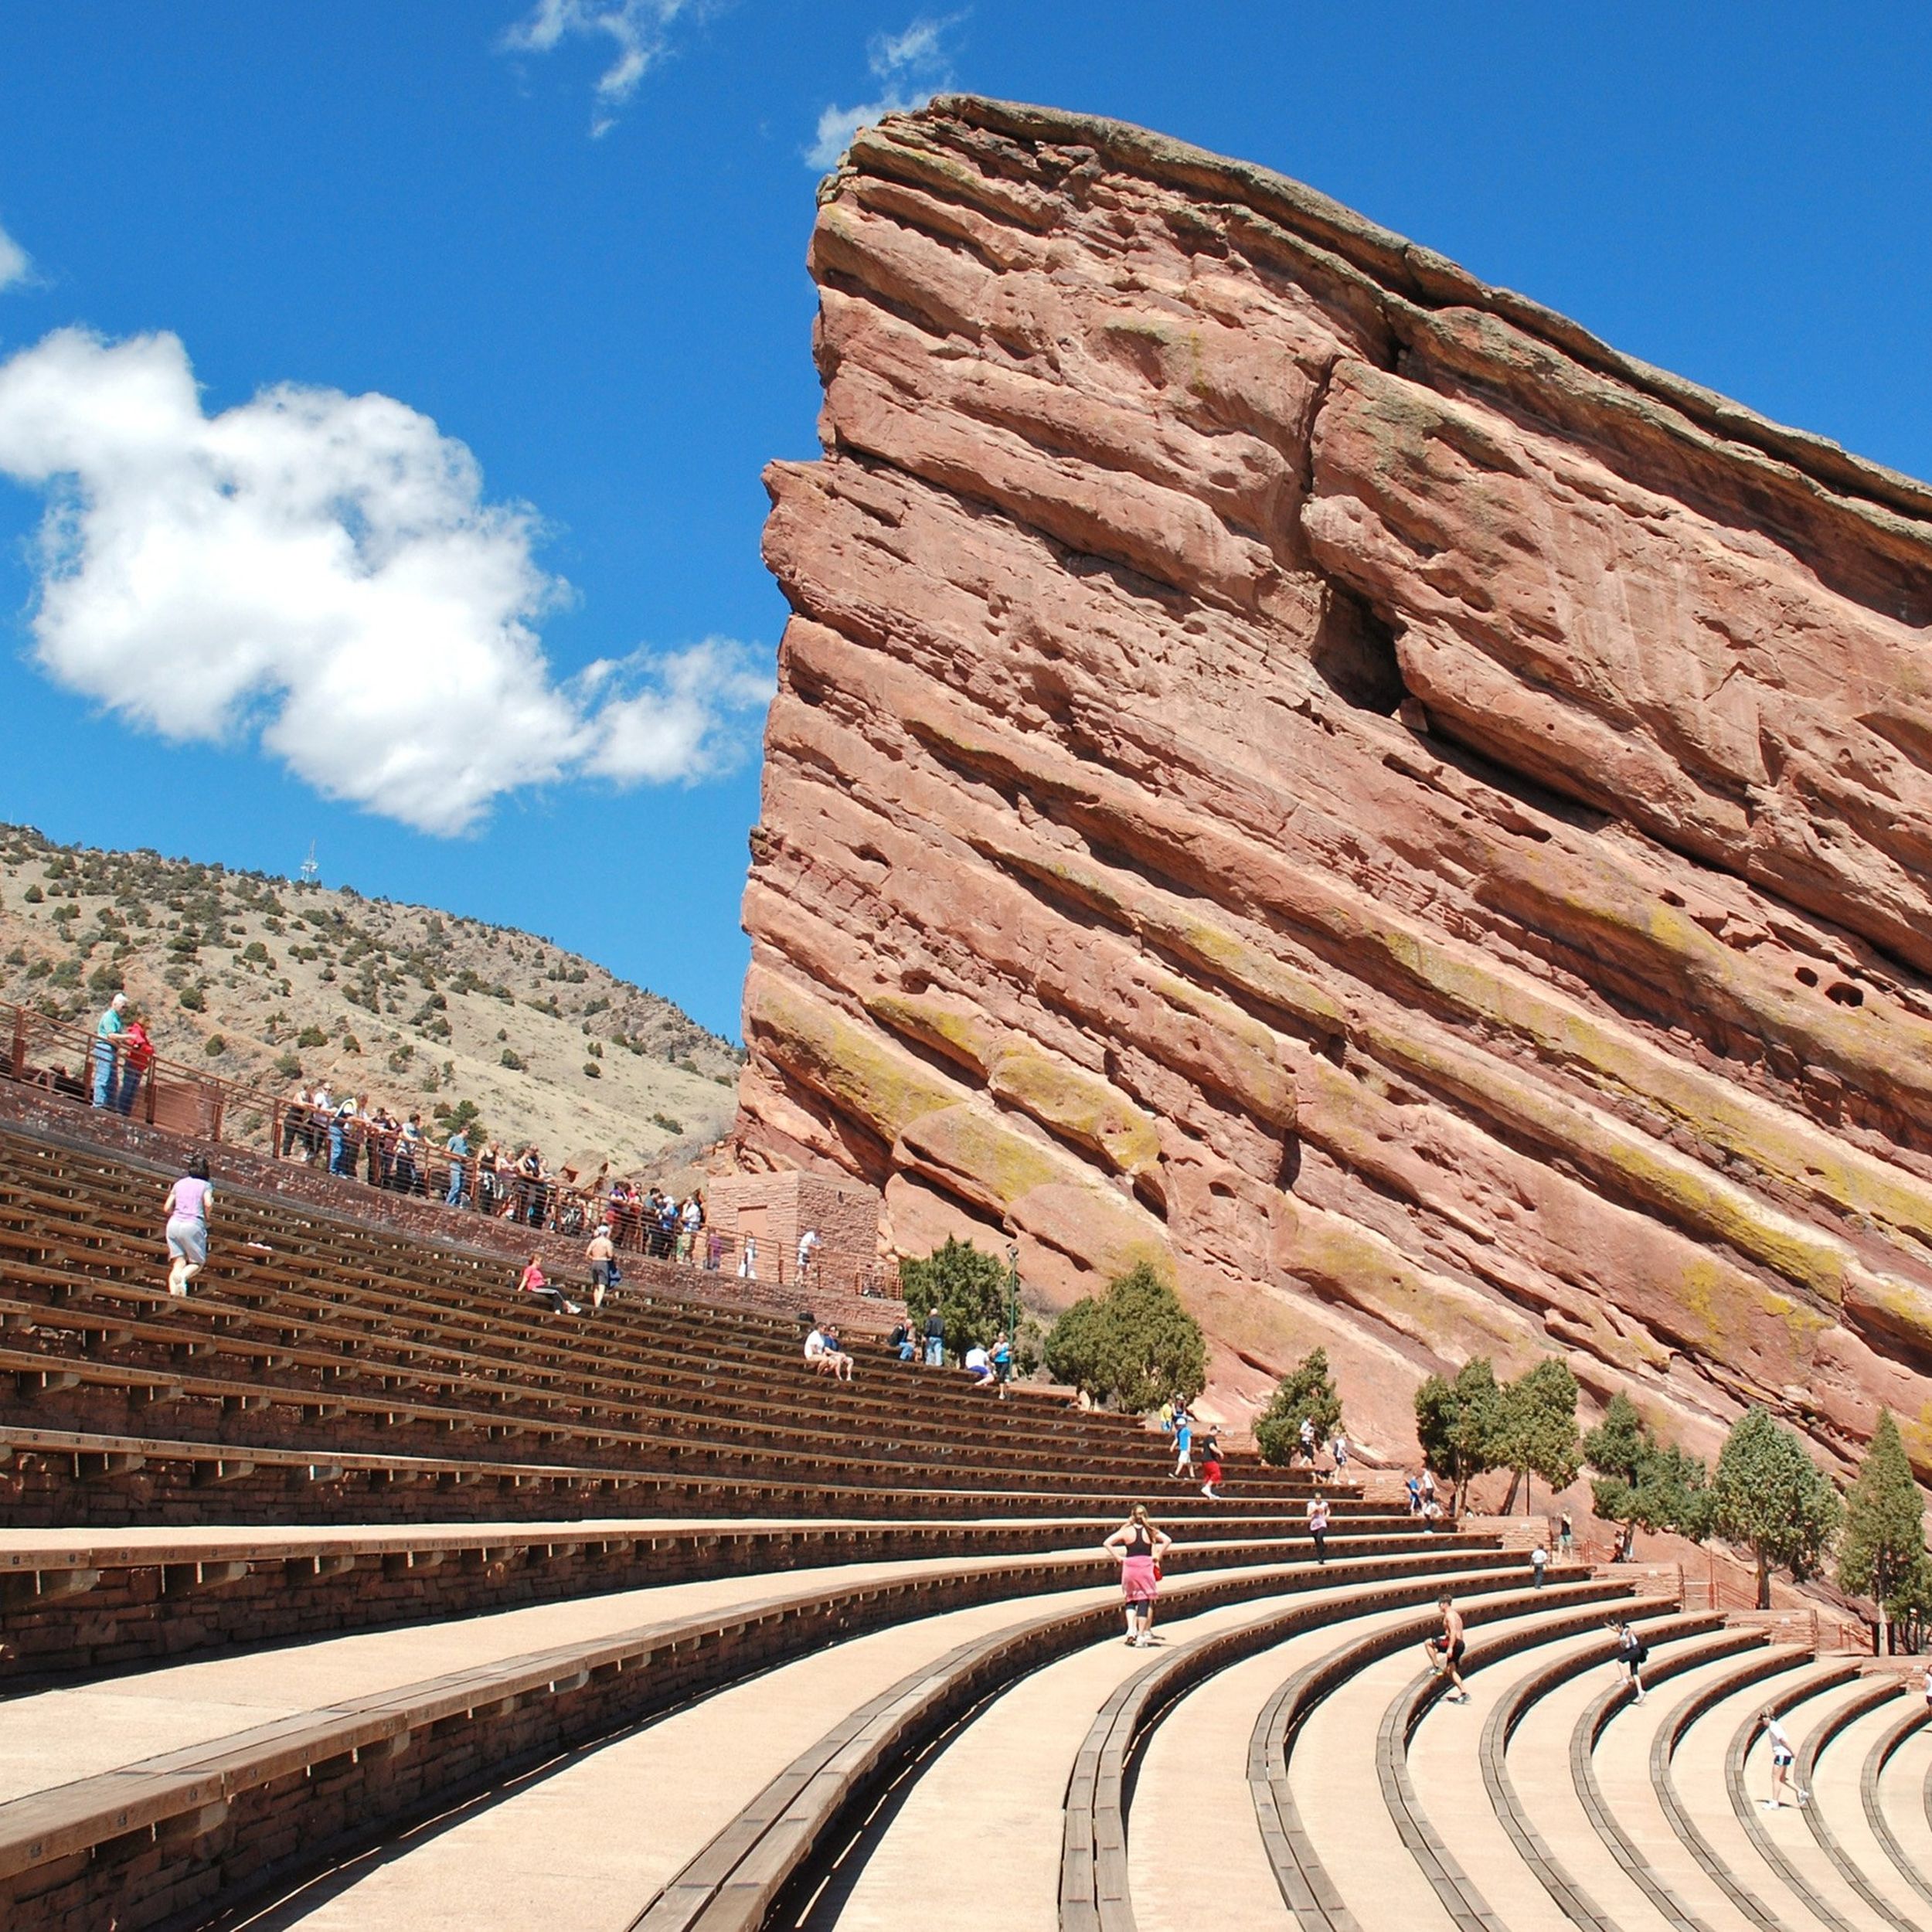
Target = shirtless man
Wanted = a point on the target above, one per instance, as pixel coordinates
(1444, 1652)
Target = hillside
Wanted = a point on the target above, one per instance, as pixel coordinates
(271, 982)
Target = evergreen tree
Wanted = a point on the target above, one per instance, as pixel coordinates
(1458, 1424)
(1882, 1554)
(1133, 1343)
(1305, 1392)
(1537, 1429)
(970, 1287)
(1769, 1494)
(1641, 1483)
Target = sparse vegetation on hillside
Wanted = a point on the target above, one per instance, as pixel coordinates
(274, 982)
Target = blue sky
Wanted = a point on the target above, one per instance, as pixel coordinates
(598, 293)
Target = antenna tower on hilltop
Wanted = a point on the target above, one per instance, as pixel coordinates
(308, 872)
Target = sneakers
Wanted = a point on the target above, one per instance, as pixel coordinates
(572, 1307)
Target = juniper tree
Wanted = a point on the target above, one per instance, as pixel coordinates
(1882, 1554)
(1133, 1343)
(1641, 1482)
(1458, 1424)
(968, 1286)
(1537, 1429)
(1769, 1494)
(1306, 1392)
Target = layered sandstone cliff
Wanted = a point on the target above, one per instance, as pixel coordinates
(1298, 764)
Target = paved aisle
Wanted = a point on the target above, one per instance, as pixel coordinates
(1446, 1769)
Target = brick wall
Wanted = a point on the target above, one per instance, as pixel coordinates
(778, 1208)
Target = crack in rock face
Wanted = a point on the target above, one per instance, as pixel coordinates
(1296, 766)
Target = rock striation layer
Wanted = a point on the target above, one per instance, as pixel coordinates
(1299, 765)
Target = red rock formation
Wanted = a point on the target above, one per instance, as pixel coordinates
(1297, 763)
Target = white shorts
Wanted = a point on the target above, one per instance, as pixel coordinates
(187, 1240)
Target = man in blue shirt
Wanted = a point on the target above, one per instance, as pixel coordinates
(107, 1034)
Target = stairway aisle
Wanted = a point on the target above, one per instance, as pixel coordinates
(1445, 1767)
(1540, 1769)
(976, 1840)
(1193, 1846)
(1624, 1774)
(1839, 1805)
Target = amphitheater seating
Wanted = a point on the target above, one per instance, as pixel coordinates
(346, 1592)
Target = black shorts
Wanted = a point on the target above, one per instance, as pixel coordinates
(1453, 1652)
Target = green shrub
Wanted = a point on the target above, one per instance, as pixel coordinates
(512, 1059)
(214, 1044)
(192, 998)
(1305, 1392)
(1132, 1345)
(310, 1037)
(592, 1071)
(34, 896)
(288, 1066)
(667, 1123)
(970, 1288)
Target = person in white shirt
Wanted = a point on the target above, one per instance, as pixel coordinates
(1782, 1755)
(979, 1364)
(808, 1246)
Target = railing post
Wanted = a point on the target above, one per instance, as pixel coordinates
(19, 1066)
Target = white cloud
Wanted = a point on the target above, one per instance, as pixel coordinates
(685, 722)
(322, 570)
(638, 30)
(911, 66)
(13, 265)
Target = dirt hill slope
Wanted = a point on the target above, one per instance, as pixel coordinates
(270, 981)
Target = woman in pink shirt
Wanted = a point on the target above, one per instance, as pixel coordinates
(187, 1211)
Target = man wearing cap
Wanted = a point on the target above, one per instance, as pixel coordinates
(107, 1033)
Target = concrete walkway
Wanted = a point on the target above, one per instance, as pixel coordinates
(1837, 1794)
(1445, 1768)
(1623, 1774)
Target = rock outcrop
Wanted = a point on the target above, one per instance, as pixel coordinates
(1299, 765)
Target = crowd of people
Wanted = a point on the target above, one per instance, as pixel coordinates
(351, 1136)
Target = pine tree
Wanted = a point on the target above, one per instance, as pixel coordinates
(1536, 1430)
(1458, 1424)
(1769, 1494)
(1133, 1343)
(969, 1286)
(1882, 1554)
(1640, 1482)
(1305, 1392)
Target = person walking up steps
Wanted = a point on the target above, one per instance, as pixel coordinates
(935, 1339)
(1445, 1651)
(602, 1255)
(1631, 1656)
(1140, 1546)
(1781, 1758)
(1211, 1467)
(187, 1206)
(1183, 1443)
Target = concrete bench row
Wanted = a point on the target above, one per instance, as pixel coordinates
(206, 1827)
(80, 1605)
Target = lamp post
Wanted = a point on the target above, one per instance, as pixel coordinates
(1012, 1312)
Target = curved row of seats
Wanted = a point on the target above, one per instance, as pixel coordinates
(426, 1609)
